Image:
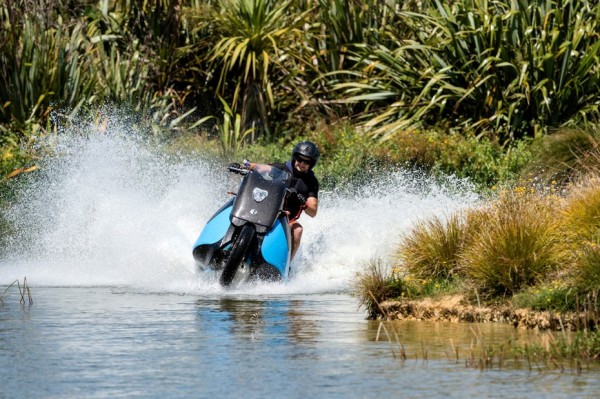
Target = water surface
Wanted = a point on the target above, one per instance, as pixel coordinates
(115, 342)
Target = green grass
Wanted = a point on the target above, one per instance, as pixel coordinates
(432, 249)
(514, 246)
(556, 296)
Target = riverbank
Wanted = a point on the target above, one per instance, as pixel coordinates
(455, 309)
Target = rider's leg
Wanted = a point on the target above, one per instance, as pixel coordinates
(296, 229)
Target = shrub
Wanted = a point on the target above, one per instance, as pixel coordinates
(563, 155)
(347, 154)
(580, 234)
(581, 213)
(514, 246)
(480, 159)
(377, 284)
(433, 247)
(587, 271)
(547, 296)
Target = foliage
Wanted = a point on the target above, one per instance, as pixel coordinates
(585, 344)
(557, 296)
(501, 248)
(376, 284)
(40, 62)
(510, 68)
(580, 234)
(432, 248)
(588, 267)
(347, 154)
(254, 38)
(580, 215)
(482, 160)
(581, 346)
(537, 249)
(514, 246)
(560, 157)
(232, 134)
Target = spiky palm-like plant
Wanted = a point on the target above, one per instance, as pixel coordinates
(254, 34)
(514, 68)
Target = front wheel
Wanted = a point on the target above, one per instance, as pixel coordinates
(237, 253)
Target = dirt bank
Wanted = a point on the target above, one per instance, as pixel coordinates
(454, 310)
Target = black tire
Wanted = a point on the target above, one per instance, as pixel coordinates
(237, 253)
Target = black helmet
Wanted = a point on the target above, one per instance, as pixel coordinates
(307, 149)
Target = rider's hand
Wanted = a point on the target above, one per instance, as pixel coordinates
(235, 165)
(301, 198)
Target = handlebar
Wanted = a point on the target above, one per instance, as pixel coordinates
(240, 170)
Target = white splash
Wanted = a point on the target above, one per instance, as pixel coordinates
(110, 210)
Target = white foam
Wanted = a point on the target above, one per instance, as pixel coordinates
(112, 211)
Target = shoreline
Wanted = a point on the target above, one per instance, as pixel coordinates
(451, 309)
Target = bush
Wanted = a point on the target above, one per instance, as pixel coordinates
(563, 155)
(556, 296)
(514, 247)
(377, 284)
(432, 249)
(482, 160)
(580, 235)
(587, 271)
(347, 154)
(580, 216)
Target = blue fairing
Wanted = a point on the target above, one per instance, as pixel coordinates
(276, 246)
(216, 227)
(213, 244)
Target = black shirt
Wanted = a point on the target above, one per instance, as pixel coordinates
(304, 183)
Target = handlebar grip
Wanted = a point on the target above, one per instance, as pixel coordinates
(241, 171)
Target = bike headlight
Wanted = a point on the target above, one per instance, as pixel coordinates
(259, 194)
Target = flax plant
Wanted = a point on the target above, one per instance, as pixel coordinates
(512, 68)
(254, 37)
(231, 133)
(42, 62)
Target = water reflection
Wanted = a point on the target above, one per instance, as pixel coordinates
(280, 321)
(494, 344)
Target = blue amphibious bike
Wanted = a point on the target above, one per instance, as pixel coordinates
(248, 238)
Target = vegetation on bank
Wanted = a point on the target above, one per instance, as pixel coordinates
(428, 72)
(532, 245)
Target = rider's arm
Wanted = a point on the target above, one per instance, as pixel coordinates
(312, 205)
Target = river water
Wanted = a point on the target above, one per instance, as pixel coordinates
(104, 234)
(117, 342)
